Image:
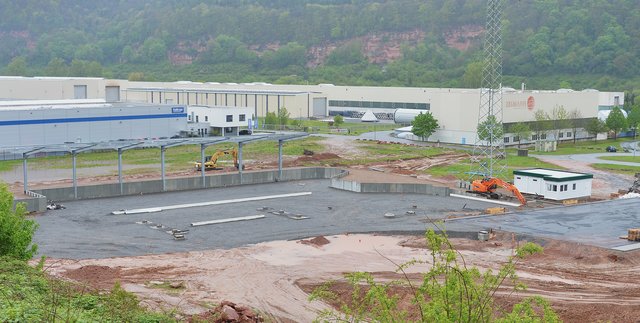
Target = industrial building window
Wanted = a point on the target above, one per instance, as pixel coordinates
(517, 177)
(229, 118)
(379, 105)
(568, 134)
(197, 119)
(506, 140)
(189, 117)
(561, 135)
(534, 137)
(241, 117)
(543, 136)
(516, 138)
(555, 188)
(79, 91)
(552, 187)
(206, 118)
(574, 186)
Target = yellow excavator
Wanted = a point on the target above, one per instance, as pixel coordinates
(487, 187)
(211, 162)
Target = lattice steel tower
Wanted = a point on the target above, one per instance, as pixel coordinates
(489, 158)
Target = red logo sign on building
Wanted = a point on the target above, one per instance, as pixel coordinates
(531, 103)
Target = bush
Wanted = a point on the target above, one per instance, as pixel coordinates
(449, 292)
(16, 232)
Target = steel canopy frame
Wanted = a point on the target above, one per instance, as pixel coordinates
(122, 145)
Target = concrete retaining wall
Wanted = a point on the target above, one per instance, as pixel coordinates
(353, 186)
(188, 183)
(34, 203)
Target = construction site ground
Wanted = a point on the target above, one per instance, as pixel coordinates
(264, 263)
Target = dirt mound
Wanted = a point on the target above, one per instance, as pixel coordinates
(228, 312)
(102, 277)
(316, 242)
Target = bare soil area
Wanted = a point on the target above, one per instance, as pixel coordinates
(584, 284)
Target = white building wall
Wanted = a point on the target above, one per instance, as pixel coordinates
(456, 109)
(38, 126)
(536, 185)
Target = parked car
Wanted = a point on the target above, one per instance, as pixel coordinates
(244, 132)
(611, 149)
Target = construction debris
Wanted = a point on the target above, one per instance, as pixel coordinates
(635, 188)
(633, 235)
(496, 210)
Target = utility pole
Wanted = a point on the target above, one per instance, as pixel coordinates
(489, 157)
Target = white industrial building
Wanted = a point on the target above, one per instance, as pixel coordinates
(26, 123)
(455, 109)
(553, 184)
(220, 121)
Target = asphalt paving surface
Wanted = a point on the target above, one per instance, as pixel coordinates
(87, 229)
(598, 224)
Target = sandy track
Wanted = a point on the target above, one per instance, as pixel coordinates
(272, 277)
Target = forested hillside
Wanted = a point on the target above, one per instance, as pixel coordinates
(548, 43)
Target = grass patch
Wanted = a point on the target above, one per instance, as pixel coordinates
(632, 159)
(619, 169)
(584, 147)
(460, 170)
(30, 295)
(8, 165)
(400, 151)
(176, 158)
(318, 126)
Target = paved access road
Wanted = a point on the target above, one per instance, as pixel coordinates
(591, 158)
(86, 229)
(598, 224)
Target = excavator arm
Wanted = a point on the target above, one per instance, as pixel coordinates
(489, 185)
(211, 162)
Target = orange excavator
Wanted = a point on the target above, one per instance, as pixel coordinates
(487, 187)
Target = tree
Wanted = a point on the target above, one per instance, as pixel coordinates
(490, 130)
(522, 131)
(450, 291)
(17, 67)
(594, 127)
(634, 118)
(472, 77)
(559, 120)
(338, 120)
(574, 119)
(541, 123)
(616, 121)
(271, 118)
(16, 232)
(283, 116)
(424, 125)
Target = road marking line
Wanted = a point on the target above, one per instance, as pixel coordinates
(182, 206)
(483, 200)
(241, 218)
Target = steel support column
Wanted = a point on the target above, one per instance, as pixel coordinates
(279, 160)
(25, 184)
(240, 166)
(74, 154)
(162, 149)
(202, 168)
(120, 171)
